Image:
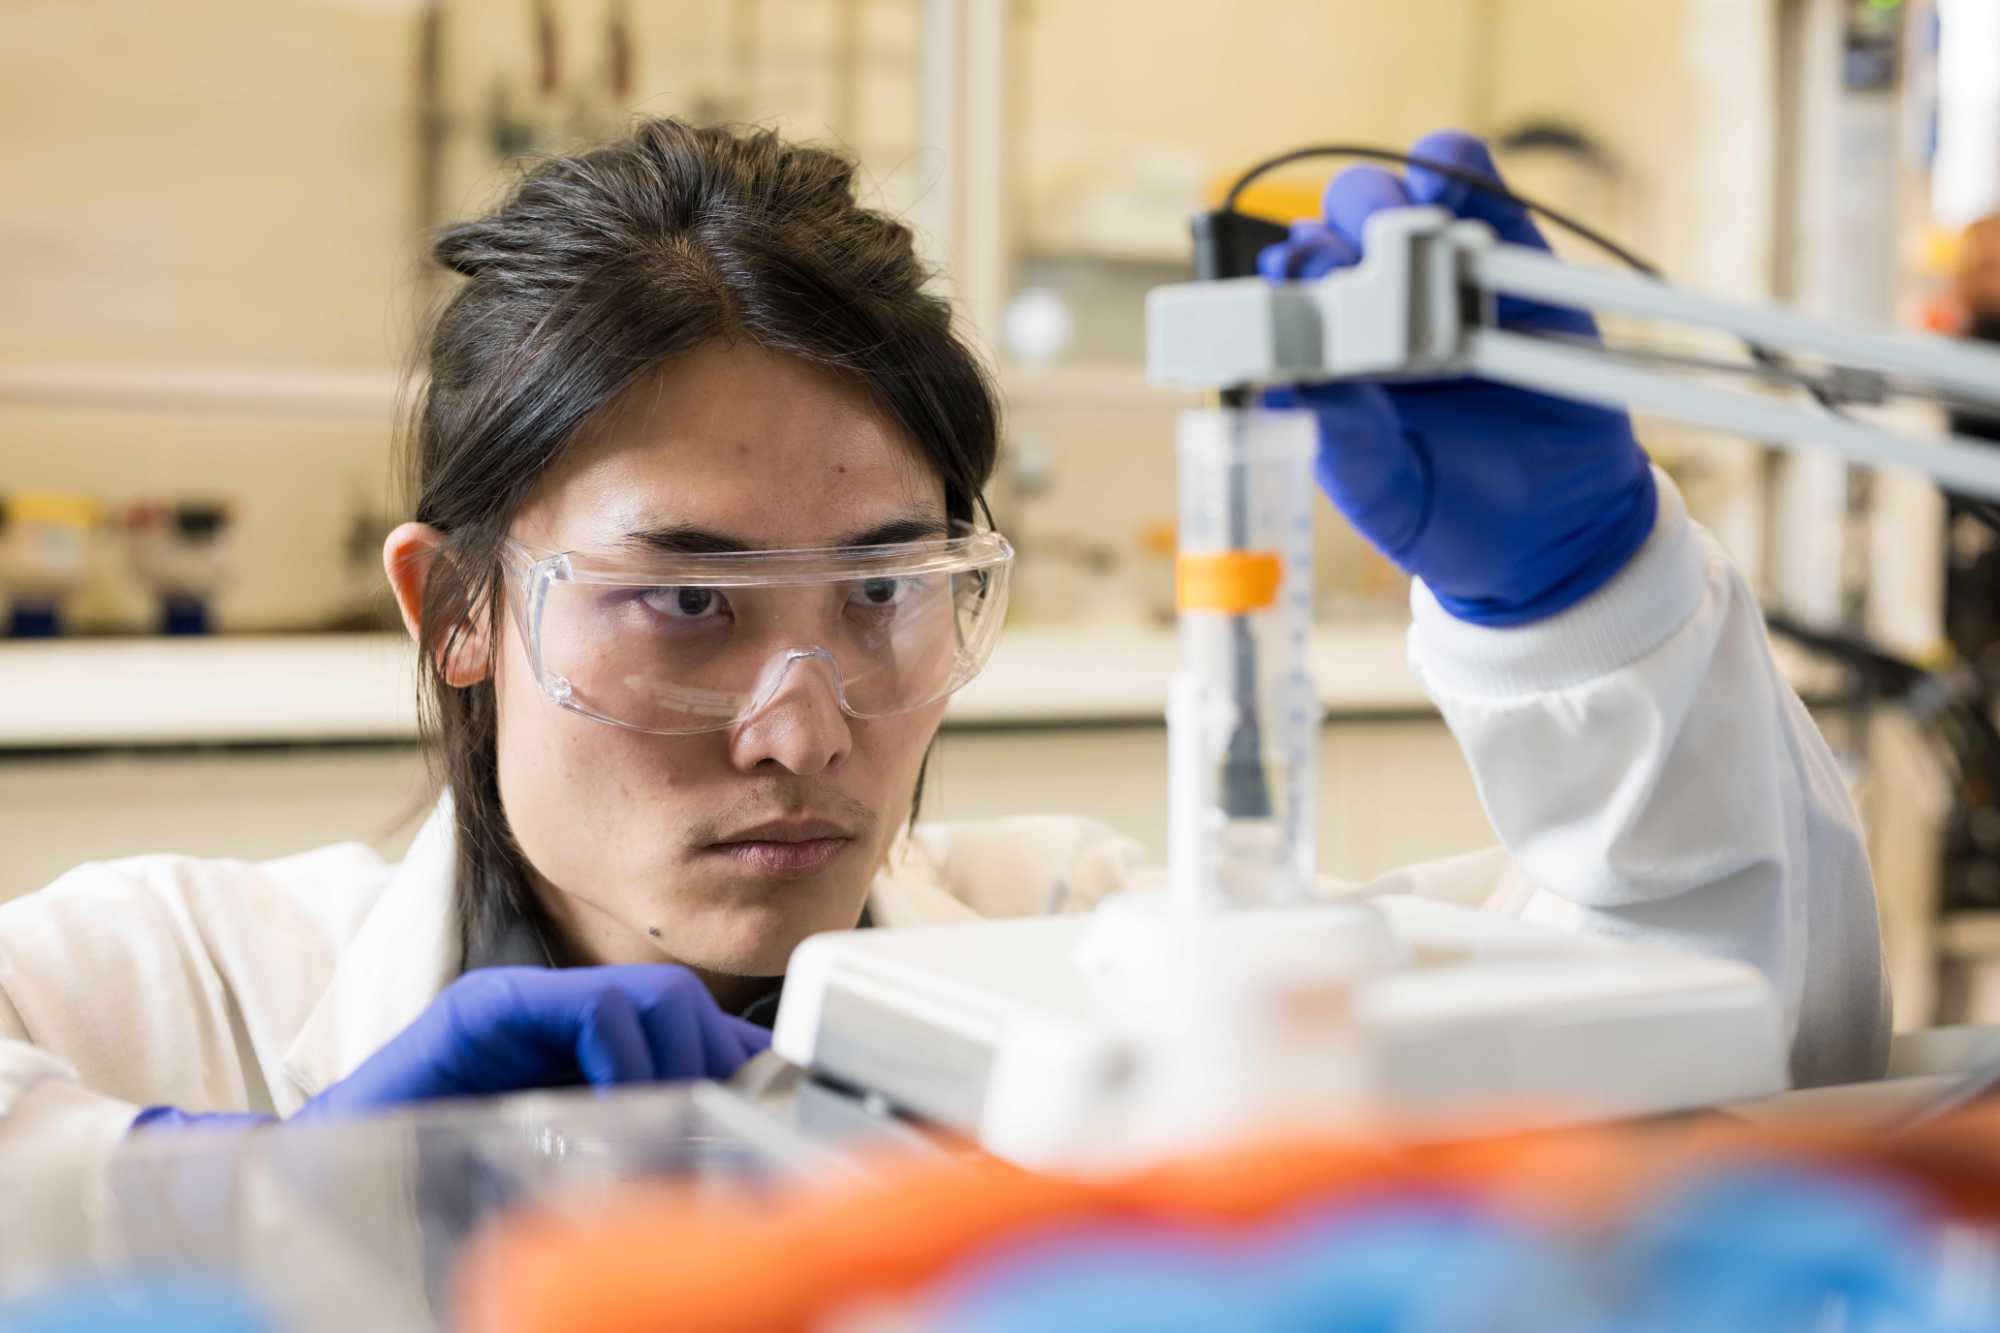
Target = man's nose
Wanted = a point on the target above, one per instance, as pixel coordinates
(800, 727)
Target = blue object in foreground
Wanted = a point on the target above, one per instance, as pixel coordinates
(1747, 1249)
(1404, 1267)
(1138, 1281)
(1780, 1248)
(139, 1304)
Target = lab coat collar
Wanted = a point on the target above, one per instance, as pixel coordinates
(406, 951)
(909, 888)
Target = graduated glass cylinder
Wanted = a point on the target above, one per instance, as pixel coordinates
(1243, 714)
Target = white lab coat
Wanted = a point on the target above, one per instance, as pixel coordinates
(1649, 774)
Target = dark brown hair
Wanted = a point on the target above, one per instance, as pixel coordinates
(597, 268)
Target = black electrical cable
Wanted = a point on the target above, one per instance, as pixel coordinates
(1493, 188)
(1487, 185)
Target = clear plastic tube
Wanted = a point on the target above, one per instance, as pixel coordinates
(1243, 715)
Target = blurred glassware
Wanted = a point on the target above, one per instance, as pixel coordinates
(45, 554)
(181, 551)
(1153, 571)
(1039, 326)
(1065, 578)
(366, 604)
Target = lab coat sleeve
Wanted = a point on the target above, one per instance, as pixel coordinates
(43, 1106)
(110, 999)
(1653, 777)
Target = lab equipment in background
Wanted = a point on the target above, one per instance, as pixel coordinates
(1092, 1043)
(1421, 305)
(1242, 713)
(180, 550)
(1037, 1037)
(1069, 578)
(46, 549)
(1153, 570)
(1039, 326)
(367, 603)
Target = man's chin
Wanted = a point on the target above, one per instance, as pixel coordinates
(756, 939)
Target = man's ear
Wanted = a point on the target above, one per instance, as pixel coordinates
(407, 558)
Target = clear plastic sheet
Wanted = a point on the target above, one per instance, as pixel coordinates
(361, 1224)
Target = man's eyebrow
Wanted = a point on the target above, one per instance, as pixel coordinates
(690, 539)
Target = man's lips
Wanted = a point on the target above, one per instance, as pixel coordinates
(785, 846)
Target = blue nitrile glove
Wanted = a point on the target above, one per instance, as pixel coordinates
(1511, 506)
(509, 1029)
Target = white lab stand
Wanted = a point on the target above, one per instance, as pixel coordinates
(1095, 1043)
(1148, 1029)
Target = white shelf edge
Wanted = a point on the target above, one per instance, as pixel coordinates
(371, 395)
(86, 693)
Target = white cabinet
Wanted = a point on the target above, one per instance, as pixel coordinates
(59, 810)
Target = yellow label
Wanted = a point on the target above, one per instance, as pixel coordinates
(51, 507)
(1236, 582)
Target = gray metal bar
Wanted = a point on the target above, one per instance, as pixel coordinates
(1963, 370)
(1595, 376)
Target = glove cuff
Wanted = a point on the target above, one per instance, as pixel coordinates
(1641, 605)
(172, 1117)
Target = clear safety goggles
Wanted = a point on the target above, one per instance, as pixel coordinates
(675, 644)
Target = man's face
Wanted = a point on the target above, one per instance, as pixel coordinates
(648, 847)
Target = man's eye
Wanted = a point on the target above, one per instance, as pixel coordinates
(881, 592)
(686, 603)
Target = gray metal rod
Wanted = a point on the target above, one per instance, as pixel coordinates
(1965, 371)
(1596, 376)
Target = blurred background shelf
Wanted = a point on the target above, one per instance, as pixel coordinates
(312, 688)
(310, 394)
(261, 746)
(305, 689)
(76, 693)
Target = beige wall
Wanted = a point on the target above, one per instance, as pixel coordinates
(230, 185)
(201, 190)
(1128, 109)
(1684, 93)
(204, 183)
(217, 190)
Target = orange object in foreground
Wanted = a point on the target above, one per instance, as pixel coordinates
(673, 1259)
(668, 1258)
